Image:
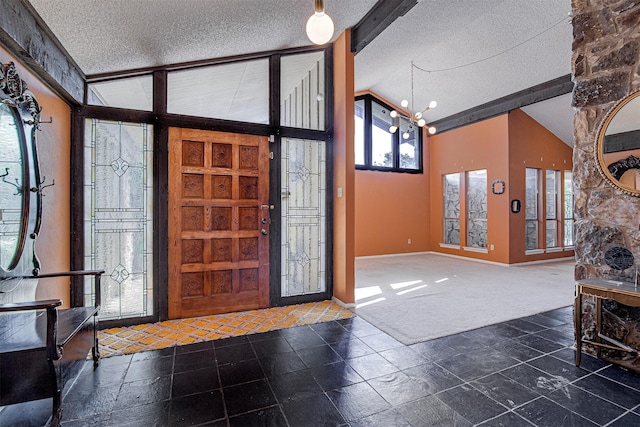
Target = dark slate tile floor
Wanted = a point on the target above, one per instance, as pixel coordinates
(349, 373)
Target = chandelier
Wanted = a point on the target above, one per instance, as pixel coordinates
(414, 118)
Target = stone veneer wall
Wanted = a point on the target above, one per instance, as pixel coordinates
(606, 68)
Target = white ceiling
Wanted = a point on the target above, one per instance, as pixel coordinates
(476, 50)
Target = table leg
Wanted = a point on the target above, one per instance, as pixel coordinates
(577, 319)
(598, 324)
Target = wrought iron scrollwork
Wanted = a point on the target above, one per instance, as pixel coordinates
(17, 90)
(618, 168)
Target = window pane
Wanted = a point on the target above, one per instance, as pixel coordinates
(135, 93)
(531, 241)
(477, 209)
(551, 195)
(118, 216)
(552, 234)
(302, 86)
(568, 232)
(359, 132)
(531, 203)
(568, 208)
(452, 209)
(531, 209)
(551, 213)
(381, 139)
(236, 91)
(409, 146)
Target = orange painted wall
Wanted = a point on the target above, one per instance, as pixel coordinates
(531, 146)
(344, 170)
(390, 209)
(54, 146)
(482, 145)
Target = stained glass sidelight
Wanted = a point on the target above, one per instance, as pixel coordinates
(303, 196)
(118, 215)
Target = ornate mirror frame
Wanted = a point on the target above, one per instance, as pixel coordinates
(25, 183)
(617, 144)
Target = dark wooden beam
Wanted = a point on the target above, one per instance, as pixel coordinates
(551, 89)
(377, 20)
(624, 141)
(27, 37)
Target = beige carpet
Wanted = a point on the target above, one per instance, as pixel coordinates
(419, 297)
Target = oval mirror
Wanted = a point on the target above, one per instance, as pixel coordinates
(13, 187)
(618, 145)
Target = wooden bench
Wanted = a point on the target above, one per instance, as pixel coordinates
(42, 347)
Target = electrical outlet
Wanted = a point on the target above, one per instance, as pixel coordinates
(492, 248)
(408, 241)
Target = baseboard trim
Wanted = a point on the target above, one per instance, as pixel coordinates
(392, 255)
(348, 306)
(542, 261)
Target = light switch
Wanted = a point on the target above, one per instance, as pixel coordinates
(339, 191)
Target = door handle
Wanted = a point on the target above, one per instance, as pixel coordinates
(264, 232)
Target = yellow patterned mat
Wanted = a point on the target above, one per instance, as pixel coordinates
(153, 336)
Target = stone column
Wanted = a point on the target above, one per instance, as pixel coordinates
(606, 68)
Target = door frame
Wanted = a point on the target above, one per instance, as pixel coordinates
(161, 120)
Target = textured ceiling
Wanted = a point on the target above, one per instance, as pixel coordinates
(114, 35)
(476, 50)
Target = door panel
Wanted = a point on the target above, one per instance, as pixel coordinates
(218, 222)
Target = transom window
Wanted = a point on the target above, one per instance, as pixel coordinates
(378, 149)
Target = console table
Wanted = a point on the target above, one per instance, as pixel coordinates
(626, 293)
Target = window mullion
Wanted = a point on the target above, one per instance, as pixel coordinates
(368, 139)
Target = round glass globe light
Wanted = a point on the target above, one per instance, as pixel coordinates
(404, 103)
(432, 130)
(320, 28)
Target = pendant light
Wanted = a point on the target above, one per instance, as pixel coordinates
(319, 26)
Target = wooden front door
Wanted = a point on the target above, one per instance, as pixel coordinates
(218, 222)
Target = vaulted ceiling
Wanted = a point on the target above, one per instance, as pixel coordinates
(466, 52)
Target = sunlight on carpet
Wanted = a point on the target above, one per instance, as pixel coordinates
(153, 336)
